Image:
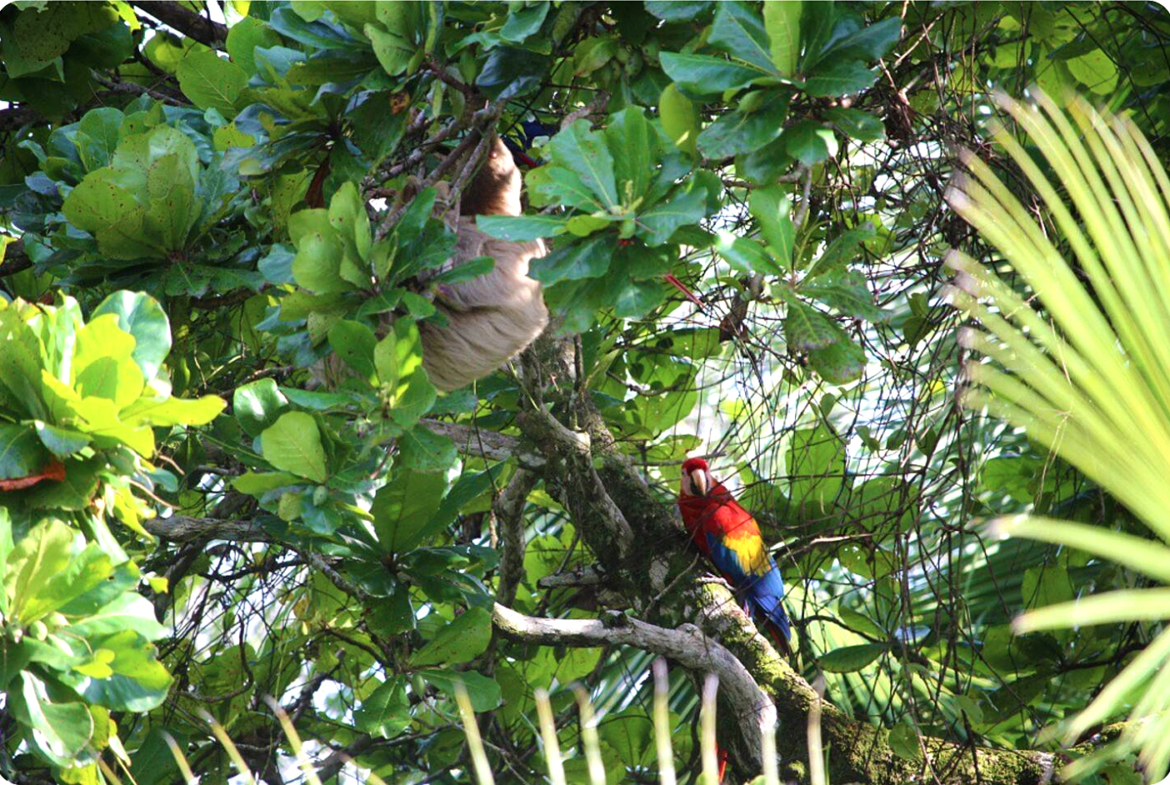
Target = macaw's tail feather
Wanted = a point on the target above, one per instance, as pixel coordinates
(766, 596)
(779, 638)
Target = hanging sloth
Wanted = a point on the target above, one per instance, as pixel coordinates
(494, 317)
(490, 318)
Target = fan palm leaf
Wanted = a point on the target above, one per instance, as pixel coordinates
(1081, 362)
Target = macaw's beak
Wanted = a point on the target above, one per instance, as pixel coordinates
(699, 482)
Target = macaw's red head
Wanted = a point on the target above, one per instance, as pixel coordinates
(696, 478)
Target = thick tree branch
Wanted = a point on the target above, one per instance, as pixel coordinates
(589, 575)
(16, 116)
(185, 21)
(686, 645)
(509, 512)
(480, 442)
(181, 528)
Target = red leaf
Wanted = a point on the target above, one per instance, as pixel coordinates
(54, 470)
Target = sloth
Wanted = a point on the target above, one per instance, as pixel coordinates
(494, 317)
(489, 319)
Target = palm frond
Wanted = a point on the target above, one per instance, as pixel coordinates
(1081, 362)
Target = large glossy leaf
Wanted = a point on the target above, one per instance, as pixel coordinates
(483, 692)
(141, 316)
(739, 31)
(212, 82)
(293, 443)
(743, 132)
(403, 507)
(704, 74)
(62, 729)
(584, 152)
(782, 22)
(257, 404)
(385, 712)
(460, 641)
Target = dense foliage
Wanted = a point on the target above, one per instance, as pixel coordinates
(201, 204)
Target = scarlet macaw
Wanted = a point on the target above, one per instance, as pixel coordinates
(729, 537)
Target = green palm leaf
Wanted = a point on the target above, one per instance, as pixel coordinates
(1082, 364)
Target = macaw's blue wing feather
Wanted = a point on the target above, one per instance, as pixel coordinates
(766, 594)
(754, 574)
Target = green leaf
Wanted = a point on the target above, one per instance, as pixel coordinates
(403, 506)
(524, 22)
(845, 290)
(772, 208)
(212, 82)
(868, 43)
(127, 611)
(678, 10)
(139, 682)
(483, 692)
(111, 214)
(141, 315)
(782, 21)
(574, 261)
(354, 343)
(398, 362)
(660, 222)
(348, 217)
(257, 404)
(165, 412)
(583, 152)
(460, 641)
(741, 132)
(859, 622)
(385, 712)
(40, 554)
(173, 208)
(745, 254)
(555, 185)
(809, 142)
(739, 31)
(481, 265)
(838, 363)
(317, 266)
(904, 742)
(245, 37)
(62, 442)
(293, 443)
(63, 729)
(593, 53)
(585, 225)
(520, 228)
(1095, 70)
(97, 136)
(510, 73)
(704, 75)
(425, 450)
(21, 452)
(840, 251)
(816, 460)
(851, 658)
(258, 484)
(857, 124)
(633, 141)
(834, 78)
(680, 119)
(86, 570)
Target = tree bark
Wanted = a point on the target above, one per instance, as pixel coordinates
(185, 21)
